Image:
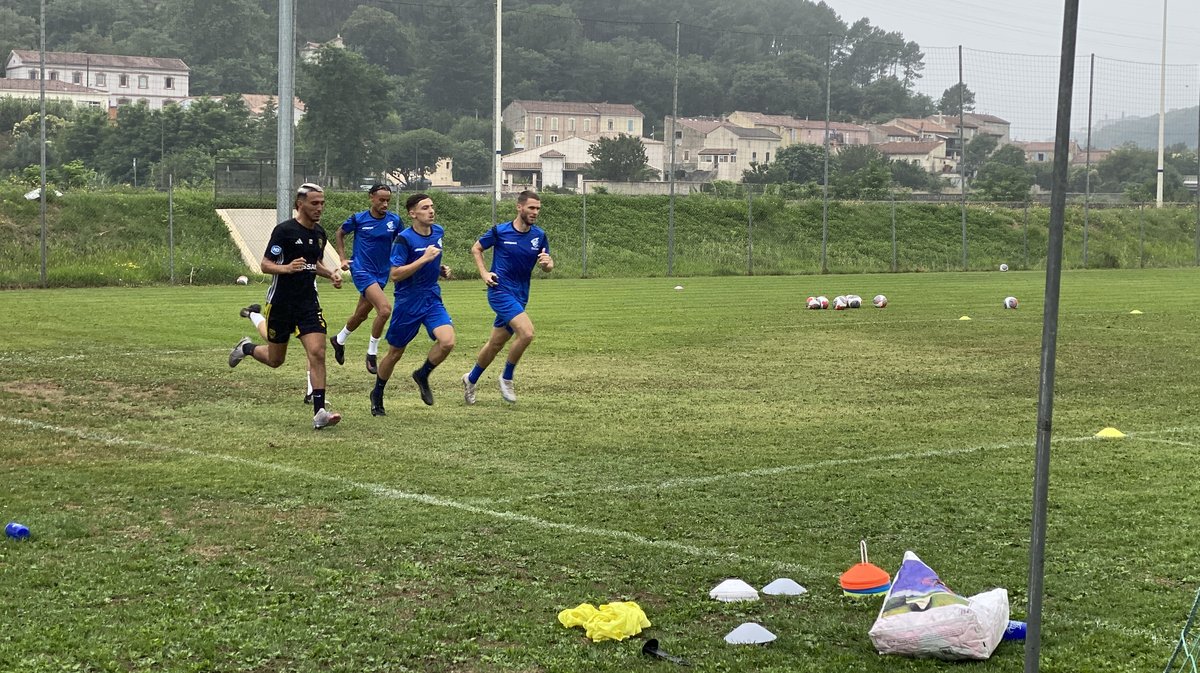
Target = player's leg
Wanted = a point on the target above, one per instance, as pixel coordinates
(441, 330)
(378, 298)
(338, 341)
(499, 336)
(311, 326)
(522, 328)
(274, 352)
(398, 335)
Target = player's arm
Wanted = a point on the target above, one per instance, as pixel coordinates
(334, 275)
(340, 245)
(488, 277)
(399, 273)
(545, 261)
(276, 269)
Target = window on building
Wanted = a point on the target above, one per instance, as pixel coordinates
(143, 82)
(554, 123)
(1041, 156)
(537, 140)
(629, 125)
(553, 138)
(610, 124)
(754, 156)
(571, 125)
(76, 78)
(587, 125)
(724, 159)
(101, 79)
(53, 75)
(686, 155)
(123, 80)
(32, 74)
(93, 103)
(122, 101)
(537, 123)
(168, 82)
(768, 157)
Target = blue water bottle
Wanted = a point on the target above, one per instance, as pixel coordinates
(16, 531)
(1015, 630)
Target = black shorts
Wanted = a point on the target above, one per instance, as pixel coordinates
(283, 321)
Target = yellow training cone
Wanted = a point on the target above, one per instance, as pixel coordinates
(1110, 433)
(965, 317)
(1135, 312)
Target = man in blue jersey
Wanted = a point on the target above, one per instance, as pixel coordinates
(416, 265)
(517, 247)
(293, 258)
(374, 230)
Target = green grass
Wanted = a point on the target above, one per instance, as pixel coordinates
(187, 518)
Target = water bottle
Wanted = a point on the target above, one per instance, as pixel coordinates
(1015, 630)
(16, 531)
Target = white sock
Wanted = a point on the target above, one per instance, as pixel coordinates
(373, 346)
(308, 375)
(343, 335)
(257, 319)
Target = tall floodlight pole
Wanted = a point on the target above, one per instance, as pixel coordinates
(1045, 413)
(962, 154)
(496, 139)
(825, 180)
(1162, 107)
(1087, 171)
(42, 116)
(671, 133)
(285, 119)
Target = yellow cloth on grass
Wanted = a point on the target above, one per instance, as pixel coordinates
(613, 621)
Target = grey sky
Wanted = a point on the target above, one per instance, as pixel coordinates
(1011, 48)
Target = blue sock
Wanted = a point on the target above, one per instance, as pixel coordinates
(476, 372)
(508, 370)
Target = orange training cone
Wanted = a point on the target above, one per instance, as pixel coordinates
(865, 578)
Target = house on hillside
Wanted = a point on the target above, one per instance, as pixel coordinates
(928, 154)
(562, 163)
(715, 149)
(158, 82)
(792, 130)
(887, 133)
(536, 123)
(80, 96)
(990, 125)
(1042, 152)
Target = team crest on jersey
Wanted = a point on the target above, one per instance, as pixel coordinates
(391, 226)
(275, 249)
(534, 243)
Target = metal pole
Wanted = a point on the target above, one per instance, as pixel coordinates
(1198, 185)
(583, 252)
(42, 116)
(825, 181)
(1162, 106)
(135, 172)
(894, 268)
(1058, 207)
(1141, 237)
(497, 144)
(962, 156)
(1087, 189)
(171, 222)
(1025, 235)
(671, 200)
(749, 230)
(285, 126)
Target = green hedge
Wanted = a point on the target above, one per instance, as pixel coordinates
(120, 237)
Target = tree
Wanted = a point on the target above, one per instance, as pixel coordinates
(346, 100)
(620, 159)
(956, 98)
(978, 150)
(381, 38)
(472, 163)
(914, 177)
(414, 154)
(1004, 176)
(804, 162)
(764, 174)
(862, 174)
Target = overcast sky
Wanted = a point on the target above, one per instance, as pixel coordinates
(1125, 36)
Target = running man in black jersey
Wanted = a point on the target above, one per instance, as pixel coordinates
(293, 257)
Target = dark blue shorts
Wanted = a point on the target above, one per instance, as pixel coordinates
(404, 327)
(506, 307)
(363, 280)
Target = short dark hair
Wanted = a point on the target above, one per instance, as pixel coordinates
(378, 187)
(527, 195)
(305, 189)
(414, 200)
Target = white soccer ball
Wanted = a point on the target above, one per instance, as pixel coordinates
(879, 301)
(242, 280)
(854, 301)
(840, 303)
(1010, 302)
(812, 303)
(1004, 267)
(823, 301)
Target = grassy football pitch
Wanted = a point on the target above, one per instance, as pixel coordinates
(186, 517)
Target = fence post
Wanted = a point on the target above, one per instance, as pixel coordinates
(749, 230)
(583, 247)
(171, 222)
(893, 199)
(1025, 234)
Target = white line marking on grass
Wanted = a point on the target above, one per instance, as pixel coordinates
(29, 359)
(1131, 632)
(390, 493)
(1172, 442)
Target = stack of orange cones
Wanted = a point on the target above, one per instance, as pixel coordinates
(865, 579)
